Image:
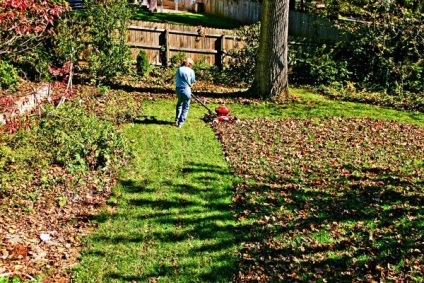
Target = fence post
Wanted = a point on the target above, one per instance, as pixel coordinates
(219, 57)
(164, 43)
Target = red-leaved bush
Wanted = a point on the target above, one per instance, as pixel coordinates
(24, 23)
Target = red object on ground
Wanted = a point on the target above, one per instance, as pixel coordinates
(222, 110)
(223, 118)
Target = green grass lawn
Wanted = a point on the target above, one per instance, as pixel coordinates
(187, 18)
(173, 221)
(288, 203)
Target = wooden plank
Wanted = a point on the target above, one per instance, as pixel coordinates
(156, 47)
(145, 29)
(193, 50)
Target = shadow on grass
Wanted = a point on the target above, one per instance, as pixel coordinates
(195, 218)
(369, 232)
(151, 120)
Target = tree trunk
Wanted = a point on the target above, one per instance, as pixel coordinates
(271, 75)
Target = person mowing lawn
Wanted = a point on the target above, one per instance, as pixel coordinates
(184, 81)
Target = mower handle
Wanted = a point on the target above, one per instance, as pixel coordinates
(198, 100)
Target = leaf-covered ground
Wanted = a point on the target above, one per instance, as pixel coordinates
(328, 200)
(42, 227)
(332, 199)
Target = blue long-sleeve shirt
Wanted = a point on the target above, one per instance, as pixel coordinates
(185, 77)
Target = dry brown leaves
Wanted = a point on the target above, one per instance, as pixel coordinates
(328, 200)
(42, 232)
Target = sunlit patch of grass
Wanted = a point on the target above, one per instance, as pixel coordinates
(312, 105)
(187, 18)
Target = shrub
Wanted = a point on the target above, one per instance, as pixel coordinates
(33, 65)
(242, 63)
(143, 65)
(8, 75)
(177, 59)
(107, 23)
(384, 50)
(98, 36)
(320, 66)
(80, 141)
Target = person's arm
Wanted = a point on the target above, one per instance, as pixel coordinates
(193, 78)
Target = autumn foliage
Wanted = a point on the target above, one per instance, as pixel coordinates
(24, 23)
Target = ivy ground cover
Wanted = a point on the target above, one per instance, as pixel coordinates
(327, 200)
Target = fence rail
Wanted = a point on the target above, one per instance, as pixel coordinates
(162, 41)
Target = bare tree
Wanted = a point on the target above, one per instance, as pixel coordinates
(271, 75)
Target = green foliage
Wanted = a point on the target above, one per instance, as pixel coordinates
(98, 36)
(33, 65)
(8, 75)
(20, 158)
(143, 65)
(320, 66)
(385, 47)
(107, 23)
(15, 279)
(242, 63)
(70, 39)
(177, 59)
(79, 141)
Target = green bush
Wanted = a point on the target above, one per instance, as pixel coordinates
(242, 63)
(177, 59)
(8, 75)
(143, 65)
(107, 23)
(70, 39)
(384, 50)
(319, 66)
(80, 141)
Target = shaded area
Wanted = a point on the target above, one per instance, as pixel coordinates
(151, 120)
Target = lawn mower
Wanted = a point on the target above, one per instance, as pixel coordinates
(222, 113)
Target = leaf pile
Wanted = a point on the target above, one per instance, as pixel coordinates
(328, 200)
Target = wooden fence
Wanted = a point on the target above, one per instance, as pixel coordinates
(301, 25)
(245, 11)
(312, 29)
(209, 45)
(163, 41)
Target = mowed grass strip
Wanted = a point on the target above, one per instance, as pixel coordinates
(328, 200)
(173, 221)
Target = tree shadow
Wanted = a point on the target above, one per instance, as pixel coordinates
(307, 234)
(197, 216)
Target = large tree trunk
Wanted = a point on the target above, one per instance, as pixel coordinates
(271, 77)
